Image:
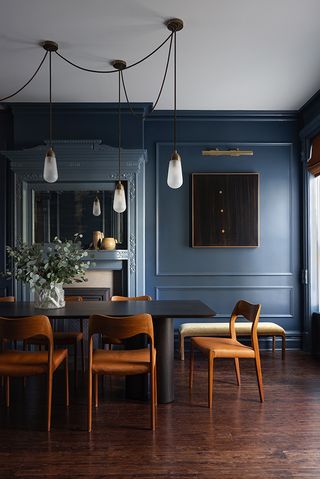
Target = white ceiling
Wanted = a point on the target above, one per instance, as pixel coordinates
(232, 54)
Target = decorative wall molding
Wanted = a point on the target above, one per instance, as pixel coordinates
(221, 315)
(226, 145)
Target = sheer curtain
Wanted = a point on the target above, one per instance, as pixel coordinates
(314, 228)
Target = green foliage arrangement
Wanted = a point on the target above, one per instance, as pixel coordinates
(45, 267)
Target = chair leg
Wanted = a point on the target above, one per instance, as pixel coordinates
(273, 344)
(237, 368)
(82, 349)
(82, 358)
(153, 400)
(283, 346)
(89, 400)
(156, 385)
(75, 346)
(191, 365)
(66, 370)
(210, 379)
(96, 389)
(7, 380)
(259, 377)
(49, 400)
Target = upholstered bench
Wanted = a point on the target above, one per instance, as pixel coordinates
(222, 329)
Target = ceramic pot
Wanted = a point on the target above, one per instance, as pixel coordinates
(97, 237)
(108, 244)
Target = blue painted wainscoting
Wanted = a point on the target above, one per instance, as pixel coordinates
(269, 274)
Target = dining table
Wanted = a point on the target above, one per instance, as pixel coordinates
(163, 313)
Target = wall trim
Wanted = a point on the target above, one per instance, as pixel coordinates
(226, 144)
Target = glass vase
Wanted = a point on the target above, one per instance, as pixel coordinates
(49, 298)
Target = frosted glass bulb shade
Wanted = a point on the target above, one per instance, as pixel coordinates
(50, 170)
(119, 199)
(96, 208)
(175, 178)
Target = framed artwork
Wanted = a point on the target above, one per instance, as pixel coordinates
(225, 210)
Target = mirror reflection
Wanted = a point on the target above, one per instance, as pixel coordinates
(64, 213)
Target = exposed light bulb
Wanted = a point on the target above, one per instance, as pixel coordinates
(119, 199)
(96, 208)
(175, 178)
(50, 170)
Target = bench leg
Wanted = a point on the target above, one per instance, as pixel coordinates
(181, 347)
(283, 346)
(273, 344)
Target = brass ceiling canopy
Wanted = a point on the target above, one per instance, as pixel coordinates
(119, 64)
(50, 46)
(174, 24)
(232, 152)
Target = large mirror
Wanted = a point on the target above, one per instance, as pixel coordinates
(66, 212)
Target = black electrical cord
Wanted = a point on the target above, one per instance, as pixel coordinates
(161, 88)
(112, 71)
(119, 124)
(50, 100)
(29, 81)
(175, 93)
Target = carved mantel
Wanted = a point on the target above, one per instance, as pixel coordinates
(86, 162)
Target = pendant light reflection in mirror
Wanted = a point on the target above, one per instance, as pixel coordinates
(96, 207)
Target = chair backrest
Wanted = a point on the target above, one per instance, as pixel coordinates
(73, 298)
(7, 299)
(251, 312)
(131, 298)
(25, 328)
(121, 327)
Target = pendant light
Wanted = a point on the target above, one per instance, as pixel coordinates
(50, 171)
(119, 199)
(175, 178)
(96, 208)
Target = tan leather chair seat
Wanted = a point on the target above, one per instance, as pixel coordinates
(25, 363)
(224, 347)
(136, 361)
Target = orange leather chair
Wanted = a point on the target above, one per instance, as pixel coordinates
(7, 299)
(68, 338)
(110, 341)
(231, 348)
(121, 362)
(15, 363)
(131, 298)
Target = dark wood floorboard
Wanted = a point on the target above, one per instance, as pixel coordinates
(240, 439)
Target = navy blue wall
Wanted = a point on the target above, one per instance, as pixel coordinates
(269, 274)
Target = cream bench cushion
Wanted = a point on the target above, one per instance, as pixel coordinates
(222, 329)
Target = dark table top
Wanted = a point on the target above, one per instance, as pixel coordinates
(158, 309)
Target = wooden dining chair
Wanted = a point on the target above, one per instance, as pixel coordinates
(7, 299)
(115, 341)
(230, 348)
(72, 338)
(121, 362)
(15, 363)
(131, 298)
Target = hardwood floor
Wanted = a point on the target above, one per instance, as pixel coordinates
(239, 439)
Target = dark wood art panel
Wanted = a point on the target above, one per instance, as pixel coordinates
(225, 210)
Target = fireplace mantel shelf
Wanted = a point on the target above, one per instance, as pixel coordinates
(109, 260)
